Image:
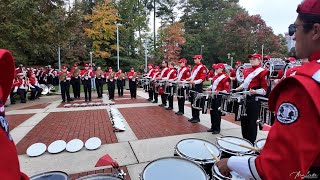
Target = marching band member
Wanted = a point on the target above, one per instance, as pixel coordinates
(163, 74)
(172, 75)
(132, 83)
(212, 72)
(19, 69)
(86, 75)
(198, 76)
(35, 87)
(292, 146)
(156, 75)
(256, 82)
(220, 83)
(14, 90)
(9, 164)
(98, 81)
(21, 88)
(93, 79)
(150, 75)
(111, 83)
(65, 77)
(120, 77)
(50, 75)
(184, 74)
(75, 81)
(234, 84)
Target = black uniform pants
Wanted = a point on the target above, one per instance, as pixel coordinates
(35, 92)
(133, 88)
(99, 86)
(215, 114)
(22, 93)
(151, 91)
(111, 87)
(76, 87)
(120, 87)
(65, 86)
(195, 112)
(249, 126)
(164, 99)
(181, 100)
(171, 89)
(87, 88)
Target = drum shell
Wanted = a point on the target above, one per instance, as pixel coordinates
(99, 177)
(226, 153)
(41, 175)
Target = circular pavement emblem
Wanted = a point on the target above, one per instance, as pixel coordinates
(287, 113)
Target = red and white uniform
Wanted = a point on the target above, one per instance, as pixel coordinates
(85, 76)
(233, 73)
(130, 75)
(22, 84)
(164, 72)
(33, 82)
(198, 73)
(150, 73)
(68, 77)
(255, 76)
(292, 71)
(220, 82)
(183, 74)
(172, 74)
(107, 76)
(155, 75)
(19, 70)
(211, 74)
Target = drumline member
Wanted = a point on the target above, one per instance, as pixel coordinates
(212, 72)
(256, 82)
(65, 77)
(110, 75)
(150, 75)
(220, 83)
(171, 76)
(9, 164)
(21, 88)
(75, 81)
(235, 84)
(163, 74)
(132, 83)
(86, 75)
(292, 145)
(156, 75)
(184, 74)
(98, 81)
(120, 77)
(35, 87)
(198, 76)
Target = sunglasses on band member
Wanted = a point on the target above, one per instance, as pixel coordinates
(293, 28)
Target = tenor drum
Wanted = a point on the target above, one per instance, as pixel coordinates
(173, 168)
(216, 175)
(52, 175)
(229, 149)
(100, 177)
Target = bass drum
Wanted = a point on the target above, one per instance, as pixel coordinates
(45, 89)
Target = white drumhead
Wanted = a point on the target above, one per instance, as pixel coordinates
(83, 104)
(74, 145)
(98, 104)
(57, 146)
(99, 177)
(67, 105)
(36, 149)
(76, 105)
(232, 147)
(93, 143)
(260, 143)
(218, 175)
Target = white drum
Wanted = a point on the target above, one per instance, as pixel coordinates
(93, 143)
(74, 145)
(57, 146)
(52, 175)
(100, 177)
(260, 143)
(228, 149)
(216, 175)
(173, 168)
(36, 149)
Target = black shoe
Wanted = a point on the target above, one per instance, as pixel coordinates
(223, 113)
(23, 101)
(86, 100)
(195, 120)
(13, 102)
(149, 99)
(177, 112)
(63, 101)
(68, 100)
(215, 132)
(154, 101)
(162, 105)
(169, 108)
(180, 113)
(210, 130)
(90, 100)
(71, 99)
(191, 119)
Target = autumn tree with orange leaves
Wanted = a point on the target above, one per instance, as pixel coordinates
(103, 28)
(172, 40)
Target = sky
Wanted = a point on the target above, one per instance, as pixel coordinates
(278, 14)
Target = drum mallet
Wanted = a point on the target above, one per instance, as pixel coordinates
(211, 152)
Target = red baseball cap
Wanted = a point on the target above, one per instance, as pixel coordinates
(309, 7)
(238, 62)
(150, 64)
(291, 59)
(183, 60)
(197, 57)
(255, 56)
(266, 57)
(213, 66)
(109, 67)
(157, 67)
(75, 65)
(7, 73)
(219, 65)
(64, 67)
(86, 65)
(131, 69)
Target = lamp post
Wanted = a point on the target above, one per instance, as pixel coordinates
(202, 46)
(91, 57)
(146, 56)
(59, 59)
(118, 59)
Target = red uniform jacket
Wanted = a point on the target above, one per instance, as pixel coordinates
(201, 74)
(150, 73)
(260, 80)
(172, 74)
(22, 84)
(88, 76)
(164, 72)
(233, 73)
(68, 77)
(130, 75)
(211, 74)
(224, 84)
(33, 81)
(293, 143)
(184, 73)
(292, 71)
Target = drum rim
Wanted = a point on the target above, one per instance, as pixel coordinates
(67, 175)
(255, 144)
(234, 152)
(173, 157)
(200, 161)
(54, 142)
(214, 174)
(39, 143)
(99, 174)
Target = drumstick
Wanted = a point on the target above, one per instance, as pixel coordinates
(211, 152)
(242, 145)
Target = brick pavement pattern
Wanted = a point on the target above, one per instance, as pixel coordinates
(16, 120)
(130, 101)
(38, 106)
(101, 171)
(152, 122)
(70, 125)
(79, 102)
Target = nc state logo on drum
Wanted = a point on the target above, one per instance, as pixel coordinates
(287, 113)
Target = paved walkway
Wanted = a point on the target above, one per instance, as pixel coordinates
(151, 133)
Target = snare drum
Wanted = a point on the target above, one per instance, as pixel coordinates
(173, 168)
(216, 175)
(229, 149)
(52, 175)
(100, 177)
(260, 143)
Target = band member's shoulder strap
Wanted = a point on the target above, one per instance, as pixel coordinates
(251, 76)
